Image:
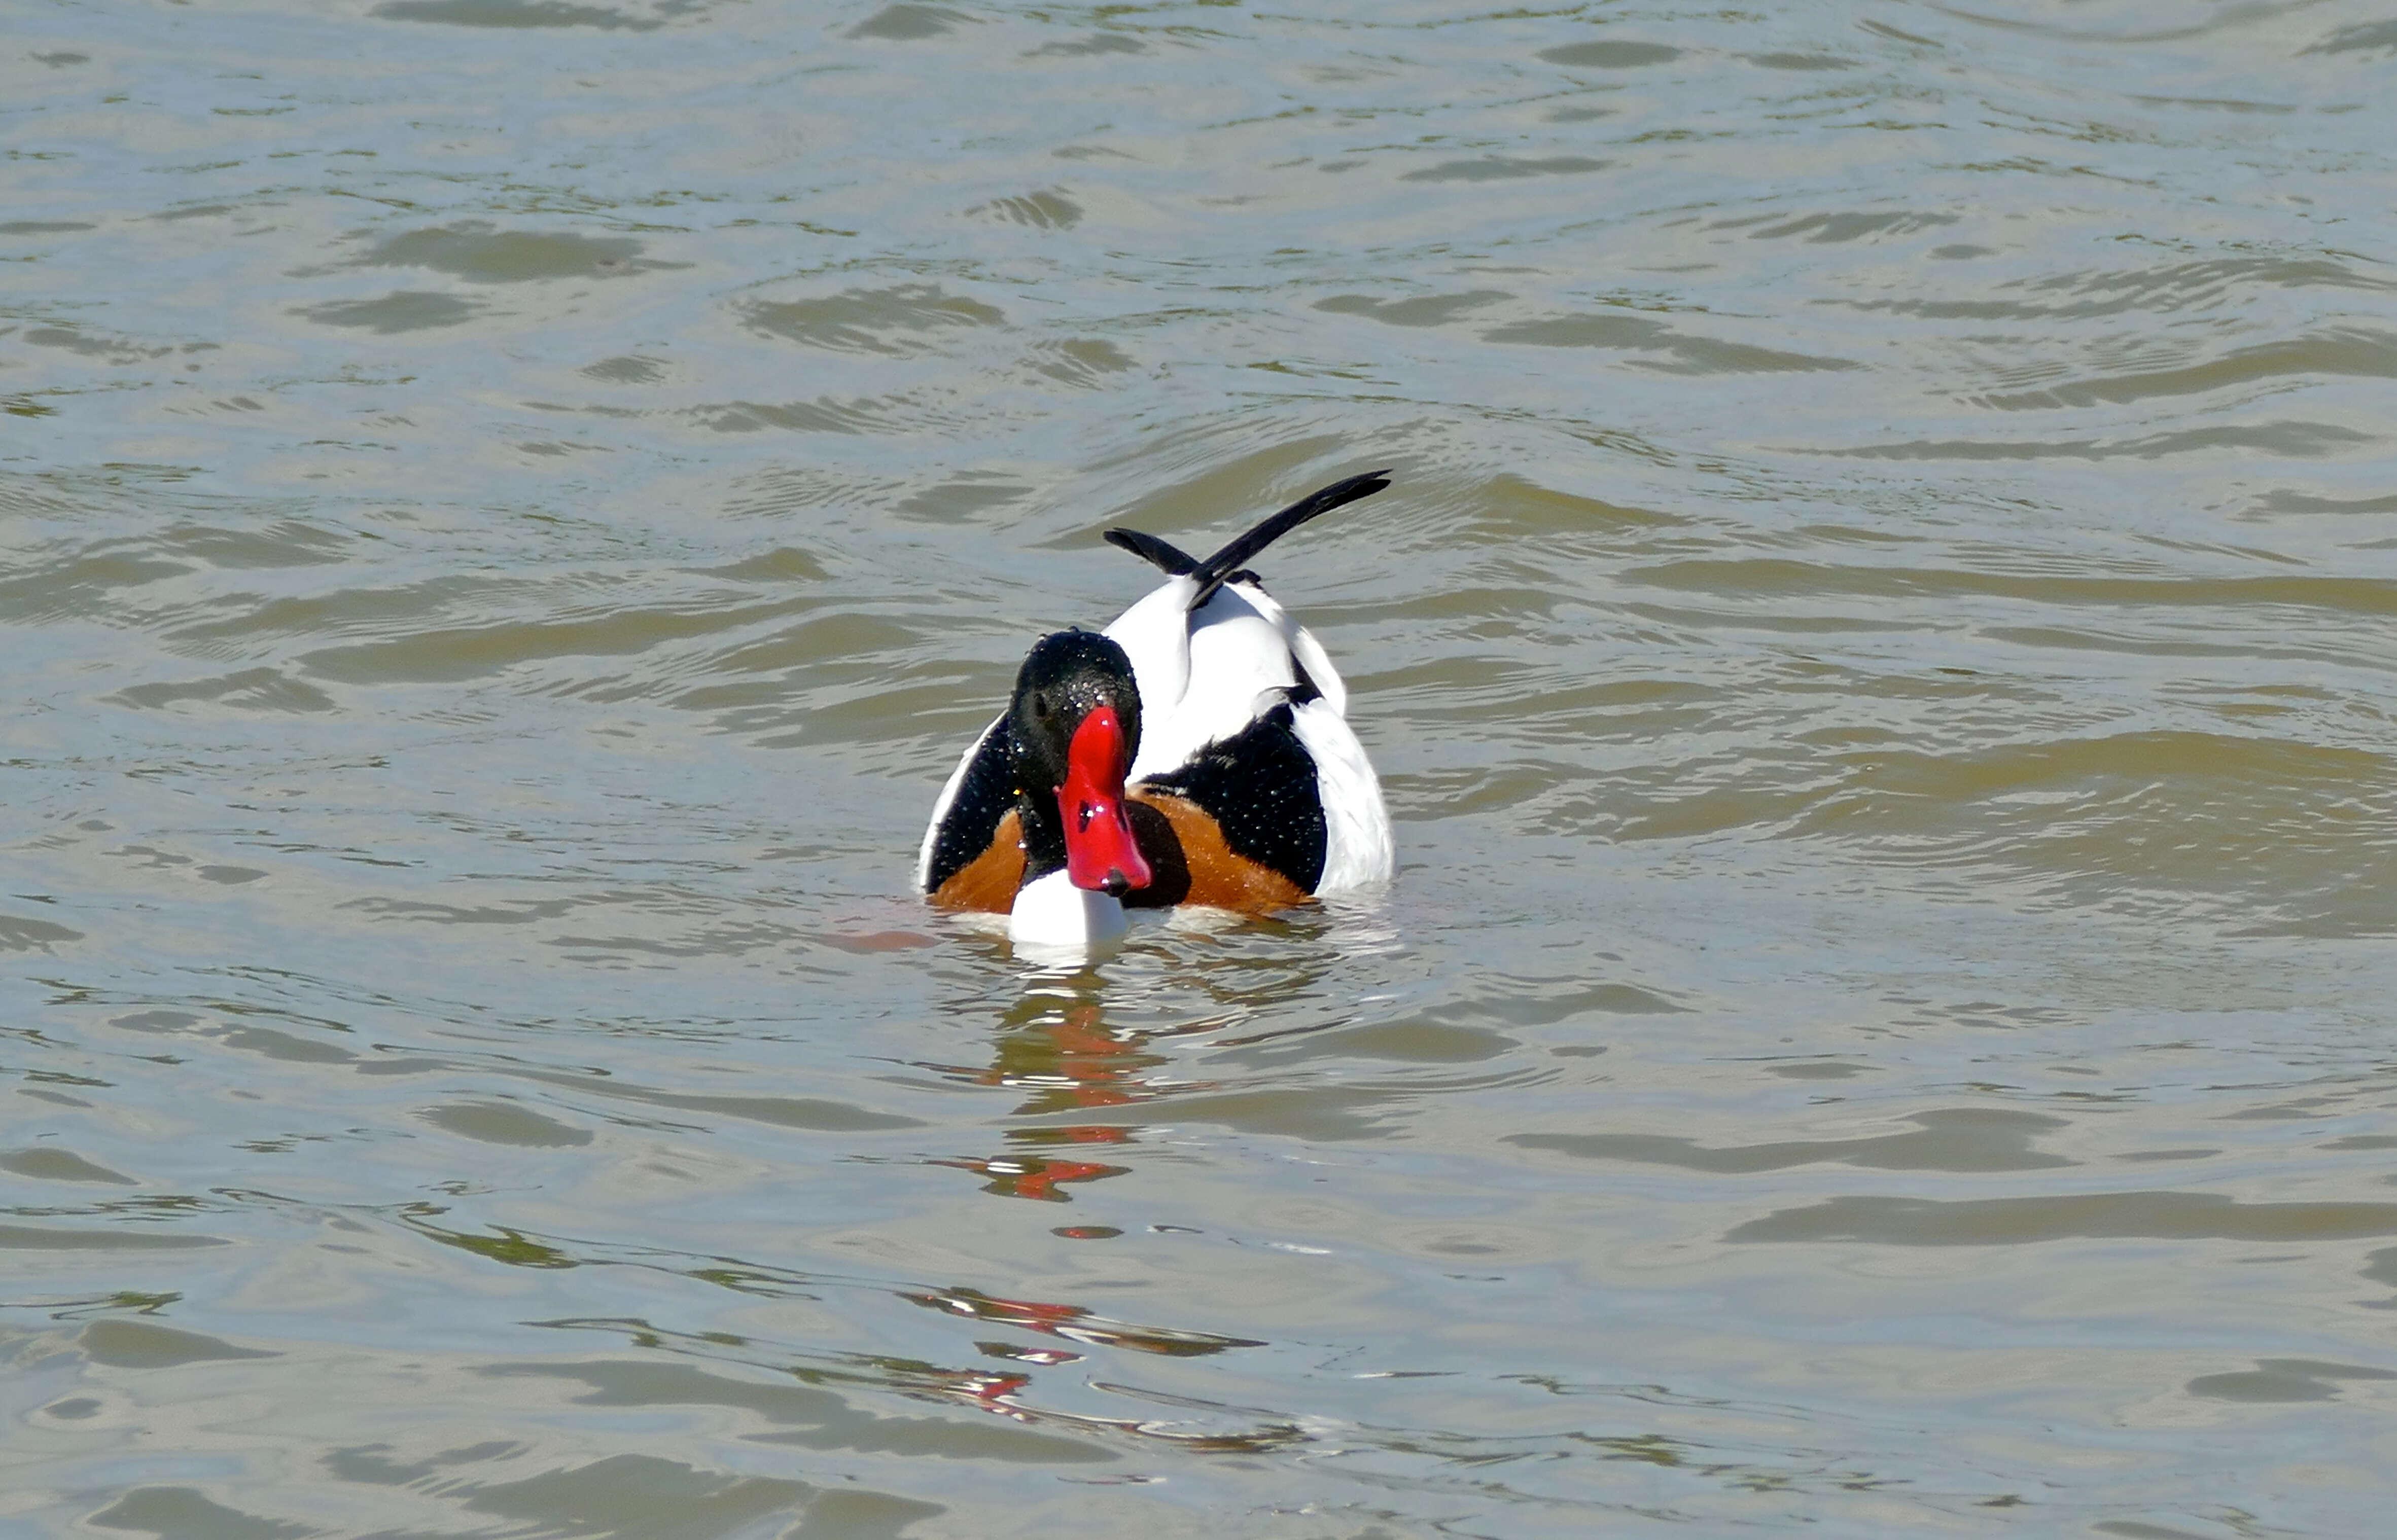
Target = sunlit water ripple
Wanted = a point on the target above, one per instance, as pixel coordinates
(1878, 650)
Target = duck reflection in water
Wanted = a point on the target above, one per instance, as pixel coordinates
(1078, 1078)
(1056, 1045)
(999, 1390)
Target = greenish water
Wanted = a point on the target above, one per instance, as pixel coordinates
(1880, 651)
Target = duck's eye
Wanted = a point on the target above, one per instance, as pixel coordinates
(1040, 704)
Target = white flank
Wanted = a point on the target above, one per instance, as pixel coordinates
(1357, 851)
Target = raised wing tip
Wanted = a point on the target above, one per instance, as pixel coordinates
(1216, 569)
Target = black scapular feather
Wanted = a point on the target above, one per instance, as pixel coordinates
(1230, 563)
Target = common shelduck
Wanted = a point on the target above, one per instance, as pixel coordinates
(1196, 752)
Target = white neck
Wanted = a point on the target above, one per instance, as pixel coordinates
(1051, 912)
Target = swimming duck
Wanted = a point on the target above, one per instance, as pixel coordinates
(1194, 752)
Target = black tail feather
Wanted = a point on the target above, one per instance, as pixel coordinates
(1168, 558)
(1163, 554)
(1218, 570)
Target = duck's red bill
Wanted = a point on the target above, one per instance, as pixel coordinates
(1100, 854)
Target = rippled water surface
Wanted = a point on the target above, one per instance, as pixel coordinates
(1880, 647)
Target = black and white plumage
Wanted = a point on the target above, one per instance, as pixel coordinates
(1196, 751)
